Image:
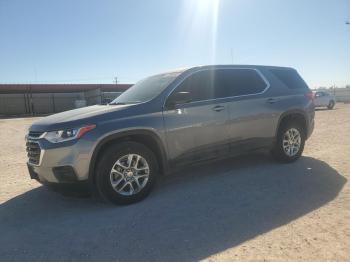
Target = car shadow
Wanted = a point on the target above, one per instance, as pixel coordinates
(325, 109)
(191, 215)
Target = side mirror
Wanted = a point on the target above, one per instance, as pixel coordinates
(179, 98)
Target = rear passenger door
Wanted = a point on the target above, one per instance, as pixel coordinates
(251, 120)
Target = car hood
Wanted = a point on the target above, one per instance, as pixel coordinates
(76, 117)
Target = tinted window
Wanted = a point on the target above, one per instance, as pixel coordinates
(199, 85)
(210, 84)
(220, 83)
(290, 78)
(237, 82)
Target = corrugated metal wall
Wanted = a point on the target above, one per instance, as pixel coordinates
(342, 94)
(48, 103)
(13, 104)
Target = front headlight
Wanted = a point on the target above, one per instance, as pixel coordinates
(67, 134)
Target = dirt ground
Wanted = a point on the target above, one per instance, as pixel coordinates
(249, 208)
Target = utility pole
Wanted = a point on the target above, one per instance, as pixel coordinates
(116, 80)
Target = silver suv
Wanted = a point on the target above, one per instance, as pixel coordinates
(170, 120)
(324, 99)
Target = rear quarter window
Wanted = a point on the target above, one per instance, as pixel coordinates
(290, 78)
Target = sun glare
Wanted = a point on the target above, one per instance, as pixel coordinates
(201, 21)
(209, 10)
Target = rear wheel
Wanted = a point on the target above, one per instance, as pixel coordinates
(331, 105)
(126, 173)
(290, 142)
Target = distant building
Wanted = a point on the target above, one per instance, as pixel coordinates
(60, 88)
(39, 99)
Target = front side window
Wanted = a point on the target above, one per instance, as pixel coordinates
(199, 86)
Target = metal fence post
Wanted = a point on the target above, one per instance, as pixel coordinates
(53, 103)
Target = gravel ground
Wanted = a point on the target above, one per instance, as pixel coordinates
(249, 208)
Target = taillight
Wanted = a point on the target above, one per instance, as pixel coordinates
(310, 95)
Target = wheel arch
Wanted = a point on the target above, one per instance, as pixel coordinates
(293, 115)
(144, 136)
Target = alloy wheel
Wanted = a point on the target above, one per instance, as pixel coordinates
(291, 142)
(130, 174)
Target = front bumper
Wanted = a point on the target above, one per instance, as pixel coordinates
(62, 163)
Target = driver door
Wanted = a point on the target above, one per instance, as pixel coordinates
(196, 122)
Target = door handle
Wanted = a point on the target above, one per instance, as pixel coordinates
(218, 108)
(271, 100)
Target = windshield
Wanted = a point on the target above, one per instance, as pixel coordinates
(146, 89)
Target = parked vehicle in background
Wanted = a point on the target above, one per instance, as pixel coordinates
(170, 120)
(324, 99)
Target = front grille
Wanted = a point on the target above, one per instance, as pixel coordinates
(33, 152)
(35, 134)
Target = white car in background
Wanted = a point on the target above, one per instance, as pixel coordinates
(324, 99)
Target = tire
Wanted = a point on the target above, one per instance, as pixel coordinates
(331, 105)
(279, 152)
(104, 177)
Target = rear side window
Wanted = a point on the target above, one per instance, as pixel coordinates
(238, 82)
(290, 78)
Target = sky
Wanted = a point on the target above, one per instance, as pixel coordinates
(94, 41)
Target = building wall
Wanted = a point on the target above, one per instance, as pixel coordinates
(110, 96)
(48, 103)
(13, 104)
(342, 94)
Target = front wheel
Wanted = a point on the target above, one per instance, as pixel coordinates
(126, 173)
(290, 142)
